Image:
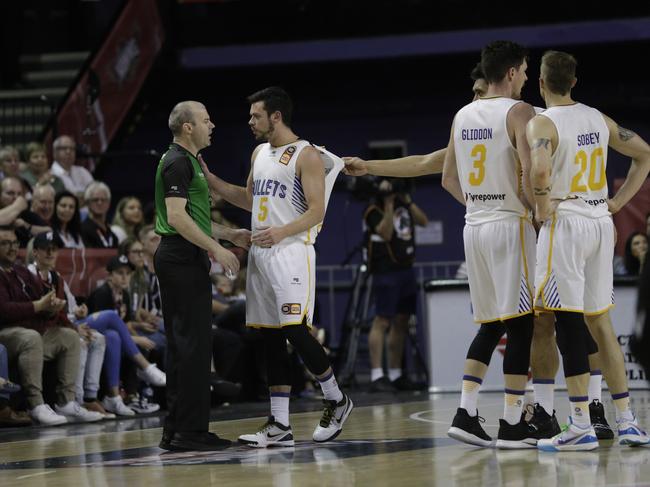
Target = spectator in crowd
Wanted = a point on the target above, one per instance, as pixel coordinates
(11, 204)
(128, 218)
(9, 417)
(43, 202)
(150, 241)
(647, 224)
(26, 223)
(92, 343)
(32, 331)
(75, 178)
(147, 319)
(66, 221)
(112, 296)
(9, 163)
(95, 230)
(38, 168)
(636, 249)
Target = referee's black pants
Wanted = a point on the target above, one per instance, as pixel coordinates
(183, 270)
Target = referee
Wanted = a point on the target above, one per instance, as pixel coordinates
(183, 266)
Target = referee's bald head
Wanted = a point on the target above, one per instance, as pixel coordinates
(182, 113)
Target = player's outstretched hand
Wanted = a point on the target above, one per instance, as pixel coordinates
(204, 166)
(227, 259)
(241, 238)
(354, 166)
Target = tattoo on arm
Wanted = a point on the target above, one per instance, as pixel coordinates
(537, 143)
(542, 191)
(625, 134)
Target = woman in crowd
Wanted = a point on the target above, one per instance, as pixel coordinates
(38, 168)
(66, 221)
(147, 319)
(636, 249)
(128, 218)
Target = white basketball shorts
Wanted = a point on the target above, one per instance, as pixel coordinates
(574, 264)
(500, 259)
(280, 285)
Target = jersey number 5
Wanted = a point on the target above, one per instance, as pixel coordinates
(479, 153)
(596, 169)
(264, 211)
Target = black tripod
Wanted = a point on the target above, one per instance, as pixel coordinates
(357, 321)
(356, 317)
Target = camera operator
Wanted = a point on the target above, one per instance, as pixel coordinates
(390, 245)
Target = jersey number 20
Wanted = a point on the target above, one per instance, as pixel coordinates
(595, 170)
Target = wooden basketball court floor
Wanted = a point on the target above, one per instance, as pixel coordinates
(389, 440)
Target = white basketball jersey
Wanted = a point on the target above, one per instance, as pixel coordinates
(278, 196)
(578, 176)
(488, 164)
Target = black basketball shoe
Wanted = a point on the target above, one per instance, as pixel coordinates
(599, 422)
(468, 429)
(516, 436)
(546, 424)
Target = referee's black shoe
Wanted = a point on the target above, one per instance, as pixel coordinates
(203, 441)
(165, 441)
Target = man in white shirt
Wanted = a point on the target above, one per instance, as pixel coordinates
(75, 178)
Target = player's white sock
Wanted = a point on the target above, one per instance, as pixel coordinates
(469, 394)
(394, 374)
(330, 388)
(622, 404)
(280, 407)
(544, 393)
(595, 385)
(580, 411)
(513, 405)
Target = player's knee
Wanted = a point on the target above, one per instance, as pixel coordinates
(486, 340)
(572, 342)
(310, 350)
(520, 336)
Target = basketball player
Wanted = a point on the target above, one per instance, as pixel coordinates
(287, 192)
(574, 274)
(486, 155)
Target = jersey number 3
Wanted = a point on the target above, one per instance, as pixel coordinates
(479, 154)
(264, 210)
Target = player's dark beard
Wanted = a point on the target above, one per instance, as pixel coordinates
(269, 133)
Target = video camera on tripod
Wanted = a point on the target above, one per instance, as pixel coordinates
(365, 188)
